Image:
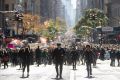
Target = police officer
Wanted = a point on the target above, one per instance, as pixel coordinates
(89, 58)
(58, 56)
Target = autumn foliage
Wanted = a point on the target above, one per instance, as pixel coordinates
(31, 22)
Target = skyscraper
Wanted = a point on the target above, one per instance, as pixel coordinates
(82, 5)
(51, 9)
(114, 13)
(1, 15)
(96, 4)
(60, 9)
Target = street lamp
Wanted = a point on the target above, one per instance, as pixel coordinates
(18, 18)
(18, 15)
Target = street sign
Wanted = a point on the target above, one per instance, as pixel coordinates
(8, 11)
(107, 29)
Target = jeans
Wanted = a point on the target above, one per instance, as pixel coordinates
(89, 69)
(28, 67)
(112, 62)
(74, 64)
(59, 68)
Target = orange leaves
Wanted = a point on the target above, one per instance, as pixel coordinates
(31, 22)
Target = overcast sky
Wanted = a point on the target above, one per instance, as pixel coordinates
(74, 3)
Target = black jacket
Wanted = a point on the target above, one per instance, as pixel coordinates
(74, 55)
(89, 56)
(58, 55)
(26, 57)
(113, 54)
(118, 54)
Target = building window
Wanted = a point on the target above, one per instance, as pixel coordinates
(119, 12)
(7, 7)
(13, 6)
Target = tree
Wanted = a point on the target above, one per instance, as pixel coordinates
(48, 29)
(60, 25)
(31, 22)
(51, 28)
(91, 19)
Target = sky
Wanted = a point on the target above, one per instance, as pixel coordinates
(73, 3)
(70, 7)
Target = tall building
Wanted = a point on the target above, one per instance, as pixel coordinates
(60, 9)
(1, 15)
(31, 6)
(51, 9)
(44, 10)
(96, 4)
(90, 4)
(114, 13)
(80, 8)
(6, 16)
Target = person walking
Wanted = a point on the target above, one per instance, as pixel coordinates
(5, 58)
(58, 56)
(112, 57)
(89, 59)
(74, 57)
(118, 56)
(45, 55)
(20, 54)
(102, 53)
(1, 55)
(38, 53)
(26, 61)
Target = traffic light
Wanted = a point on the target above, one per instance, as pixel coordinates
(18, 17)
(93, 16)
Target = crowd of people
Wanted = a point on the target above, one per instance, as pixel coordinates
(74, 55)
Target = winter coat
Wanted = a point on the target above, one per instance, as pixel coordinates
(113, 54)
(89, 56)
(118, 54)
(5, 57)
(58, 55)
(38, 53)
(74, 55)
(26, 57)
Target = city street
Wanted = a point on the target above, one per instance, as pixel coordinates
(42, 32)
(102, 72)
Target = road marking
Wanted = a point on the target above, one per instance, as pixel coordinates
(72, 75)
